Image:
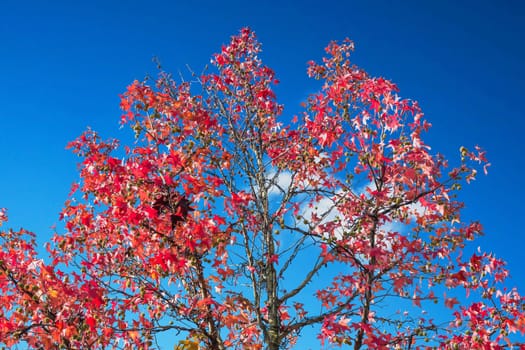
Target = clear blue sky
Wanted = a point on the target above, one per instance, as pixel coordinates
(64, 63)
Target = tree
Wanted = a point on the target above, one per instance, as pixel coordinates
(232, 230)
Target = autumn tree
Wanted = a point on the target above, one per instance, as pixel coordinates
(227, 225)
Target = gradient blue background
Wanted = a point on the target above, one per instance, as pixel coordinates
(64, 63)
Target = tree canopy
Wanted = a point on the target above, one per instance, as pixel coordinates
(234, 226)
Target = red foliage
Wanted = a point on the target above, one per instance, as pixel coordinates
(224, 225)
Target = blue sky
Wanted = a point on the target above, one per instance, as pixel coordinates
(64, 63)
